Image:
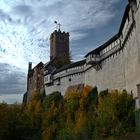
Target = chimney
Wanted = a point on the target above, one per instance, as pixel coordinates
(30, 66)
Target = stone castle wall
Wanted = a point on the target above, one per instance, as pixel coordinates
(120, 70)
(35, 81)
(66, 78)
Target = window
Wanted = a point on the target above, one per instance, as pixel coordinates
(69, 79)
(62, 38)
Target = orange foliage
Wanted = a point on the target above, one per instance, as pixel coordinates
(81, 119)
(72, 94)
(86, 90)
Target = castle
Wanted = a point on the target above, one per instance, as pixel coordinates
(113, 65)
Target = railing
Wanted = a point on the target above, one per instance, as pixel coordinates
(55, 76)
(92, 58)
(113, 50)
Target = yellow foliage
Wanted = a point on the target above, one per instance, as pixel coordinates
(81, 120)
(109, 102)
(72, 94)
(83, 103)
(86, 90)
(35, 103)
(38, 107)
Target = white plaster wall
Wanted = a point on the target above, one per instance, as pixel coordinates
(132, 58)
(50, 89)
(121, 71)
(111, 75)
(65, 83)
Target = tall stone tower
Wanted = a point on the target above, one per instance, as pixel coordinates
(59, 48)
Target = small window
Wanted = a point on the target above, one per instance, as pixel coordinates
(62, 38)
(69, 79)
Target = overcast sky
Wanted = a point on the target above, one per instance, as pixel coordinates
(25, 27)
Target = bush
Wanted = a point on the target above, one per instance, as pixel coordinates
(55, 97)
(80, 115)
(137, 120)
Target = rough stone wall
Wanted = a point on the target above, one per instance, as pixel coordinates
(36, 82)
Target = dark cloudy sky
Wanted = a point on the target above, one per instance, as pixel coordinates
(25, 26)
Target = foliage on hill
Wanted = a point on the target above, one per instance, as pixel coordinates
(84, 115)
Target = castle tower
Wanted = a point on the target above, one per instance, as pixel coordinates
(59, 48)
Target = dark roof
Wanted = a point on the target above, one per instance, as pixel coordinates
(48, 64)
(79, 63)
(97, 50)
(125, 15)
(38, 65)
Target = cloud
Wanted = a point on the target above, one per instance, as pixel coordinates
(78, 57)
(12, 81)
(22, 10)
(25, 27)
(11, 98)
(18, 46)
(37, 16)
(77, 35)
(4, 16)
(73, 15)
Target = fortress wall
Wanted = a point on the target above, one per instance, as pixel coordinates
(137, 17)
(121, 70)
(132, 58)
(111, 75)
(75, 80)
(53, 88)
(132, 65)
(112, 72)
(65, 82)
